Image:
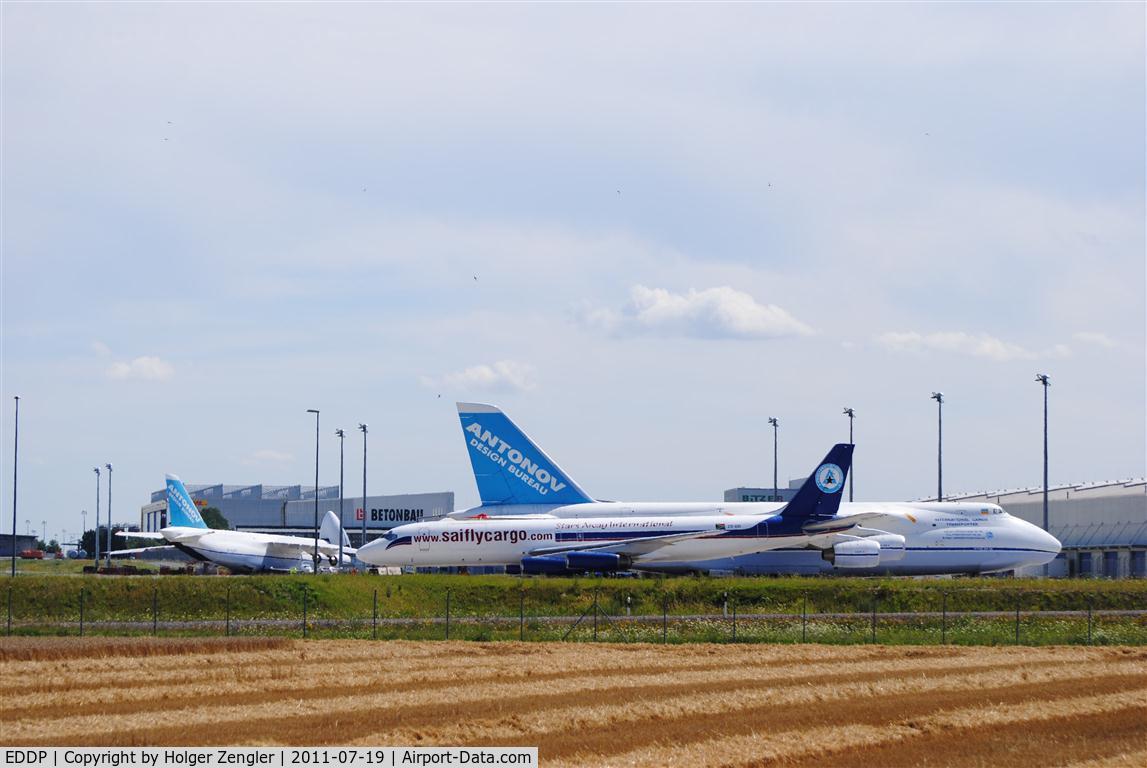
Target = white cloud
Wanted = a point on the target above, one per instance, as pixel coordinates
(973, 345)
(502, 376)
(714, 313)
(268, 455)
(147, 367)
(1094, 339)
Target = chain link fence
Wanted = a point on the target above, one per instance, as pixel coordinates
(924, 617)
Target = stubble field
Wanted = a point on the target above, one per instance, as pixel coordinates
(590, 704)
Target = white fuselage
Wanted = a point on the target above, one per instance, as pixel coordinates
(240, 551)
(938, 537)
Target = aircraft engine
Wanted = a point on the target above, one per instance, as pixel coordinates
(595, 561)
(891, 546)
(859, 553)
(544, 564)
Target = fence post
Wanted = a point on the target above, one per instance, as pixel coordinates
(10, 605)
(375, 619)
(521, 615)
(227, 613)
(81, 611)
(447, 613)
(874, 598)
(804, 618)
(1088, 619)
(665, 619)
(1017, 619)
(154, 611)
(943, 618)
(304, 610)
(595, 615)
(734, 622)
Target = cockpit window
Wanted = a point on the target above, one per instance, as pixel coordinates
(389, 536)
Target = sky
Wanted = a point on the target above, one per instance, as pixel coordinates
(640, 229)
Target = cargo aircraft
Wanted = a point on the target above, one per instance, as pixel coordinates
(240, 551)
(535, 519)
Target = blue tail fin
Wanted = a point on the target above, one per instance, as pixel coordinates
(821, 494)
(181, 511)
(508, 467)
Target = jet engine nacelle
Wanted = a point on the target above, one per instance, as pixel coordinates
(595, 561)
(861, 553)
(891, 546)
(544, 564)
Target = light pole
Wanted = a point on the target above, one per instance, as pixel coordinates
(775, 423)
(851, 414)
(96, 538)
(15, 462)
(108, 540)
(939, 398)
(44, 531)
(1043, 379)
(342, 438)
(83, 528)
(362, 428)
(315, 556)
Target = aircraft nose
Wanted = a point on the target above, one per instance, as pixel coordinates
(1051, 543)
(370, 552)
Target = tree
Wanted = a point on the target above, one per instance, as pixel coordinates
(214, 519)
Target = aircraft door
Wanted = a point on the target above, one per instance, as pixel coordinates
(424, 540)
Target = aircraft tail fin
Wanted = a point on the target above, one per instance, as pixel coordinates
(509, 468)
(181, 510)
(331, 531)
(821, 493)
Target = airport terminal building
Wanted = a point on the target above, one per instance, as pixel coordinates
(290, 509)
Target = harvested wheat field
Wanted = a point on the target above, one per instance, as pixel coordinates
(590, 704)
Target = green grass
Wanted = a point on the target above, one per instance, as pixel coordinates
(487, 607)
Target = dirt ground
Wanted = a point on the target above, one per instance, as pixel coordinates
(590, 704)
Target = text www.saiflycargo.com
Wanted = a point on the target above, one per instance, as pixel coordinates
(472, 536)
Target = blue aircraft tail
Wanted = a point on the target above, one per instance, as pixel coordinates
(181, 511)
(821, 493)
(508, 467)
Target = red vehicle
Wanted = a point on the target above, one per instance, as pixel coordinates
(32, 554)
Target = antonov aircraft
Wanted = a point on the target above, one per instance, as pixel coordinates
(541, 521)
(240, 551)
(544, 543)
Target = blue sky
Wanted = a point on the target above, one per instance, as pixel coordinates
(683, 219)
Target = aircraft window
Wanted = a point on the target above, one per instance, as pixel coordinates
(390, 536)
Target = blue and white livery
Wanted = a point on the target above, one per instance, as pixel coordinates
(242, 551)
(521, 486)
(551, 544)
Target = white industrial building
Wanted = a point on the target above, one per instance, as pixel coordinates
(290, 509)
(1102, 526)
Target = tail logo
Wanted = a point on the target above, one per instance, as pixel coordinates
(514, 461)
(829, 478)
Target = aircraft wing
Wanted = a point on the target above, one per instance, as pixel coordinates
(634, 547)
(296, 546)
(141, 535)
(846, 522)
(139, 550)
(299, 544)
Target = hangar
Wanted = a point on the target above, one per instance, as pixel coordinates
(1102, 526)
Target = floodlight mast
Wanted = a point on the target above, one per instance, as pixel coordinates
(362, 428)
(315, 556)
(939, 398)
(851, 414)
(776, 424)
